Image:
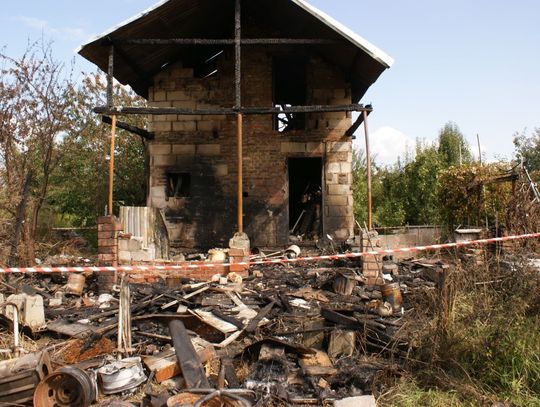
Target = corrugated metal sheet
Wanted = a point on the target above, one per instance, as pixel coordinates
(146, 223)
(360, 60)
(139, 222)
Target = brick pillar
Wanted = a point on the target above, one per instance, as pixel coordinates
(108, 228)
(371, 263)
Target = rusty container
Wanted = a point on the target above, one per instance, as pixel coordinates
(75, 284)
(392, 294)
(344, 283)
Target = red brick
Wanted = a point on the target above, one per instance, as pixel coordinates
(105, 235)
(105, 220)
(107, 242)
(107, 250)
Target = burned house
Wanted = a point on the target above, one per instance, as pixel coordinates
(251, 107)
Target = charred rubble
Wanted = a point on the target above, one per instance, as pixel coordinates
(283, 335)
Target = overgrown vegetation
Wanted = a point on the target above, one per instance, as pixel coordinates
(486, 349)
(441, 184)
(53, 151)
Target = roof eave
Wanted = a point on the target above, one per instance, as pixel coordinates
(366, 46)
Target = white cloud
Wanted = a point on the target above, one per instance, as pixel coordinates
(387, 144)
(72, 34)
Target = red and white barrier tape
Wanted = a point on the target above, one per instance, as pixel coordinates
(177, 267)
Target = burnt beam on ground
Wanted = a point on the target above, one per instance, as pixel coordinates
(158, 111)
(128, 127)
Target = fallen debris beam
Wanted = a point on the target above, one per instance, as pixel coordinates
(189, 360)
(252, 326)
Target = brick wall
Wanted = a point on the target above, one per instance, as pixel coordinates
(205, 147)
(108, 229)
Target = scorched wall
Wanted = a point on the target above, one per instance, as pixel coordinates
(204, 148)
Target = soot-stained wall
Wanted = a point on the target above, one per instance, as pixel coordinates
(201, 151)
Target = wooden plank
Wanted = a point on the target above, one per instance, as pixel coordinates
(72, 329)
(189, 360)
(165, 364)
(318, 364)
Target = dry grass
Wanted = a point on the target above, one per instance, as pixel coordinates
(488, 350)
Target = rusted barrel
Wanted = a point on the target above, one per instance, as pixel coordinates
(392, 294)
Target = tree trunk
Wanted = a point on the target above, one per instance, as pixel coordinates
(19, 221)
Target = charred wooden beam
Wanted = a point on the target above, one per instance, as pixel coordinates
(238, 53)
(128, 127)
(254, 323)
(159, 111)
(110, 77)
(358, 122)
(227, 41)
(189, 360)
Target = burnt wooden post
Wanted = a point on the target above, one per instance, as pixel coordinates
(111, 167)
(110, 77)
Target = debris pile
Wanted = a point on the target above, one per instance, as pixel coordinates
(284, 335)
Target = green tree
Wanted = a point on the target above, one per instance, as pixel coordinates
(80, 186)
(422, 185)
(527, 147)
(453, 148)
(35, 93)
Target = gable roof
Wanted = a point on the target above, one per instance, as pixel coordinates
(136, 65)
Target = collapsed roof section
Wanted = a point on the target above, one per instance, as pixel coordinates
(137, 64)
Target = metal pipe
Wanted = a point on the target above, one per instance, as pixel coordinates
(111, 167)
(368, 164)
(240, 180)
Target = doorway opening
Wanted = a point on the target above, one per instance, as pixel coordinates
(305, 198)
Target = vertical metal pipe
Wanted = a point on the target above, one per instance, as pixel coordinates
(368, 164)
(238, 105)
(111, 167)
(239, 125)
(110, 77)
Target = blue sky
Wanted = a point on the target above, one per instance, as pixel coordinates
(474, 62)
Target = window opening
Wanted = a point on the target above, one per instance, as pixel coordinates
(178, 184)
(290, 84)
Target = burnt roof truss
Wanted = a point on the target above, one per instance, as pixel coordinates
(116, 50)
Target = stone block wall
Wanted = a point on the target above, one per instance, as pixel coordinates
(205, 148)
